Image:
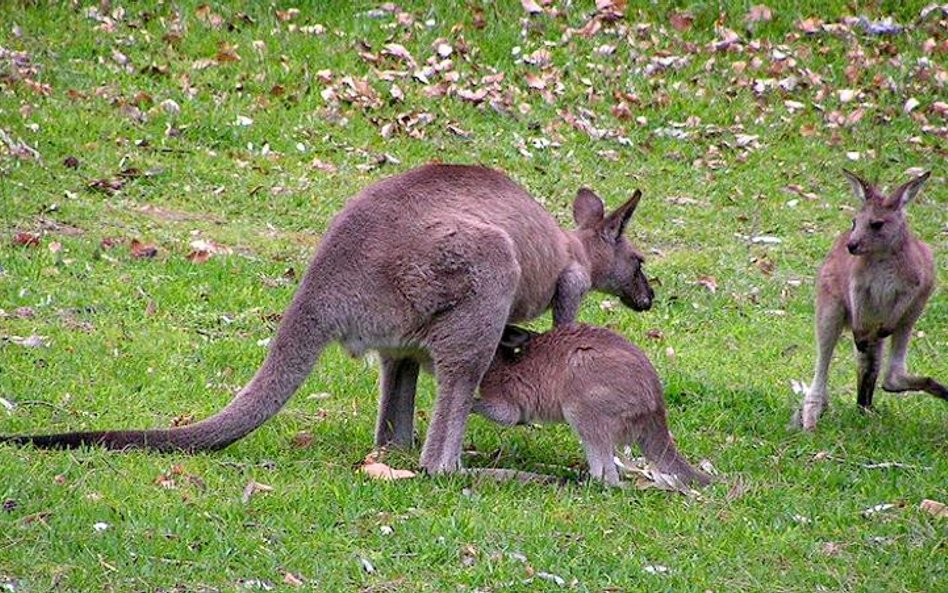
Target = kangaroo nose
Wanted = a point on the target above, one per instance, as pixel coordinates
(852, 247)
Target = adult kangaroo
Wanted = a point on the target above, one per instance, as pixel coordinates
(875, 280)
(424, 267)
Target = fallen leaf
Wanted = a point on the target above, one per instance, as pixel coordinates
(288, 577)
(32, 341)
(380, 471)
(831, 548)
(288, 14)
(531, 7)
(879, 508)
(142, 251)
(252, 488)
(810, 26)
(553, 578)
(934, 508)
(25, 239)
(681, 21)
(301, 440)
(737, 489)
(366, 565)
(758, 13)
(226, 53)
(709, 282)
(109, 185)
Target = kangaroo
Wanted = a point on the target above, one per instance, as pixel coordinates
(424, 267)
(875, 280)
(595, 380)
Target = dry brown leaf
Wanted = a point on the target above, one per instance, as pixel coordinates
(934, 508)
(141, 250)
(810, 26)
(226, 53)
(681, 21)
(252, 488)
(380, 471)
(398, 51)
(758, 13)
(531, 7)
(291, 579)
(709, 282)
(288, 14)
(25, 239)
(534, 81)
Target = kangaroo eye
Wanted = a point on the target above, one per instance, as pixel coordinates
(876, 224)
(854, 224)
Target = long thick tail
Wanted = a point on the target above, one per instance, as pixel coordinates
(658, 447)
(302, 335)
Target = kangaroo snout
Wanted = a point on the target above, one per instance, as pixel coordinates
(640, 302)
(853, 247)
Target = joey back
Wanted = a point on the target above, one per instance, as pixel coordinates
(595, 380)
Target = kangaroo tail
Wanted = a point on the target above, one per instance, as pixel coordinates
(658, 447)
(302, 335)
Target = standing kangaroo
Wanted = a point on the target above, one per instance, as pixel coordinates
(875, 280)
(595, 380)
(424, 267)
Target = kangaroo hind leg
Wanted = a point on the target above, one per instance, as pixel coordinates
(398, 381)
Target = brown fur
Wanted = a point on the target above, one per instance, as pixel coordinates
(875, 280)
(595, 380)
(426, 266)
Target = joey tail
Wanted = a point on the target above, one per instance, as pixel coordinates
(301, 337)
(658, 447)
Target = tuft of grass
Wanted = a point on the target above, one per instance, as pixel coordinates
(139, 342)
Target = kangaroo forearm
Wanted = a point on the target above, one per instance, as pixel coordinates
(571, 286)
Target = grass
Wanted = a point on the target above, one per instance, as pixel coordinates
(136, 342)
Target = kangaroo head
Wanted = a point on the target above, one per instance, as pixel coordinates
(615, 266)
(880, 227)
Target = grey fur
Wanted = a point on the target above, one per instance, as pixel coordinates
(424, 267)
(595, 380)
(875, 280)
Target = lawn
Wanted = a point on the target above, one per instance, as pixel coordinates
(167, 169)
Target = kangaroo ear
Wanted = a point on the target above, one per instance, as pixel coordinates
(862, 188)
(587, 209)
(907, 192)
(515, 337)
(615, 223)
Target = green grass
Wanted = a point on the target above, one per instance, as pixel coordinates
(137, 342)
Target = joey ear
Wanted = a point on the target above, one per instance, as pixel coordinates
(907, 192)
(615, 223)
(515, 337)
(587, 209)
(862, 188)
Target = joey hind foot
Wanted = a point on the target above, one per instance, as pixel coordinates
(810, 413)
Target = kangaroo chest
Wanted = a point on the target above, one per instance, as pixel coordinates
(880, 298)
